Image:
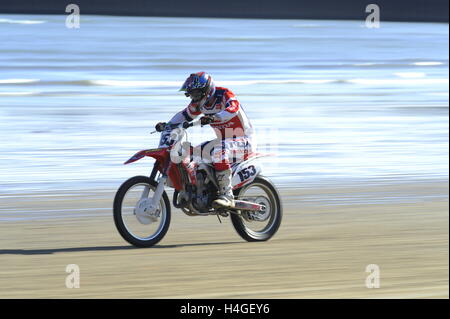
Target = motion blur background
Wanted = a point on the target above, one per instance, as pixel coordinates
(338, 102)
(334, 99)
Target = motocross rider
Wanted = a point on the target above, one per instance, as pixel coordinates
(226, 116)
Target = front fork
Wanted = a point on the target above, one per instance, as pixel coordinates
(159, 189)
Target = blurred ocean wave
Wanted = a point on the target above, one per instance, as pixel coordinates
(14, 21)
(334, 100)
(406, 79)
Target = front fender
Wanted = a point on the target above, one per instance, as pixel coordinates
(159, 154)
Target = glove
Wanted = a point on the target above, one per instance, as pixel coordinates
(186, 125)
(205, 120)
(160, 126)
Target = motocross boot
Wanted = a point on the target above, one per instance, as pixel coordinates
(226, 198)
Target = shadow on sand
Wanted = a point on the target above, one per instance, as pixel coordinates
(97, 248)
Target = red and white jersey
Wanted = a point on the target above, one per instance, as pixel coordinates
(231, 118)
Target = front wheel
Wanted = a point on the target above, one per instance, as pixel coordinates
(137, 221)
(258, 226)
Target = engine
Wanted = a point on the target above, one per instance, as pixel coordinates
(204, 192)
(196, 199)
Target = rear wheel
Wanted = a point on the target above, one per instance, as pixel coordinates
(258, 226)
(137, 221)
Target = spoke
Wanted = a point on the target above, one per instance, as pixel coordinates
(258, 193)
(248, 199)
(132, 216)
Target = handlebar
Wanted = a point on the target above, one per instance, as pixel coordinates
(184, 125)
(191, 124)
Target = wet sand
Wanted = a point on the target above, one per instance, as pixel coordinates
(327, 238)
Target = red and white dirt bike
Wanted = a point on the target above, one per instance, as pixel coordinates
(142, 209)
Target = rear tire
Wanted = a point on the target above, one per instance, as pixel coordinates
(119, 219)
(274, 220)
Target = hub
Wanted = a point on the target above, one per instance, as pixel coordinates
(262, 214)
(145, 212)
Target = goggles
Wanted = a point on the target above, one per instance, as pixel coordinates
(195, 95)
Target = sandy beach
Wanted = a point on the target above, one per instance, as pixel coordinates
(327, 239)
(356, 117)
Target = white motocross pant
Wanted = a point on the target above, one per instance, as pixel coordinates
(225, 152)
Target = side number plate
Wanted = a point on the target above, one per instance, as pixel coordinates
(247, 172)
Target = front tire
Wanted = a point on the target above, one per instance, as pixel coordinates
(137, 229)
(241, 222)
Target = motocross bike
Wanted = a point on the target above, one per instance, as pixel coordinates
(142, 208)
